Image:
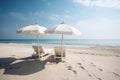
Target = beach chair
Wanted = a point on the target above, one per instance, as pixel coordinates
(59, 53)
(39, 52)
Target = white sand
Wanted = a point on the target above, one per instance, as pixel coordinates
(82, 63)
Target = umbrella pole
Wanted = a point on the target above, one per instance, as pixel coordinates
(62, 45)
(62, 42)
(37, 40)
(38, 44)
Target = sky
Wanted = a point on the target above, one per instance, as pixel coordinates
(96, 19)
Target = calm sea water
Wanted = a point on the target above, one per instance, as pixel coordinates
(87, 42)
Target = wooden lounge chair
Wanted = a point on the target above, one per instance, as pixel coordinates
(39, 52)
(59, 53)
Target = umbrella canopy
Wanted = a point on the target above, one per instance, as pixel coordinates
(33, 30)
(64, 29)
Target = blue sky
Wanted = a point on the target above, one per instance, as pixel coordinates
(94, 18)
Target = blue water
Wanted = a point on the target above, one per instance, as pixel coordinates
(88, 42)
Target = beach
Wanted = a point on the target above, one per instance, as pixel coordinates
(82, 63)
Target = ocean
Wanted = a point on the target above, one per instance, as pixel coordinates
(79, 42)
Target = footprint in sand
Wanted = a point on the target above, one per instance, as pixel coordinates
(92, 75)
(116, 74)
(81, 66)
(74, 71)
(99, 78)
(69, 67)
(79, 63)
(92, 64)
(88, 72)
(100, 69)
(117, 56)
(89, 75)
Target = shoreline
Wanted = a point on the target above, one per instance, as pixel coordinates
(52, 45)
(66, 42)
(49, 45)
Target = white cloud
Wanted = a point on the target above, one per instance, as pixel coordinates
(99, 3)
(99, 28)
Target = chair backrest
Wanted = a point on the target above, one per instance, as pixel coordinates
(38, 49)
(59, 51)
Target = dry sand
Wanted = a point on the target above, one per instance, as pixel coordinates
(82, 63)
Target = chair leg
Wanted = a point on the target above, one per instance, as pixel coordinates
(40, 56)
(54, 57)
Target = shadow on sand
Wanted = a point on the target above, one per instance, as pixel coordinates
(4, 62)
(27, 66)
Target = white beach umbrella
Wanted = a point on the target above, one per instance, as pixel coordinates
(64, 29)
(33, 30)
